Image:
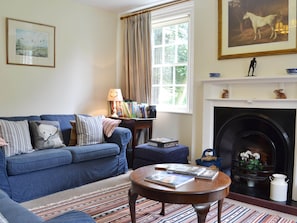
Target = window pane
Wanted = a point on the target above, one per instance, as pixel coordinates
(167, 75)
(155, 95)
(182, 52)
(167, 95)
(169, 34)
(169, 54)
(183, 32)
(181, 74)
(156, 75)
(180, 96)
(158, 55)
(157, 36)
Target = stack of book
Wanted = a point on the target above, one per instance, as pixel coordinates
(163, 142)
(199, 172)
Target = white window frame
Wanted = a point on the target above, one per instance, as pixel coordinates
(164, 15)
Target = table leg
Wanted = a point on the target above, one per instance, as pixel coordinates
(201, 211)
(163, 209)
(132, 200)
(220, 205)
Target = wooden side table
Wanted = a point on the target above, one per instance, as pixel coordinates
(136, 125)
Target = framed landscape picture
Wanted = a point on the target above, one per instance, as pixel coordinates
(249, 28)
(29, 43)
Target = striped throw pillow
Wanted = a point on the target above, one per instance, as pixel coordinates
(17, 136)
(89, 130)
(109, 125)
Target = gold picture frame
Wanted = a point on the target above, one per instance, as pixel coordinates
(236, 36)
(29, 43)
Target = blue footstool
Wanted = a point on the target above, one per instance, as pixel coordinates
(147, 155)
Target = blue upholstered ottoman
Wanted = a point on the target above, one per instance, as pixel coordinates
(146, 155)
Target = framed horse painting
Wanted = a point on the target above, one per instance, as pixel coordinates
(249, 28)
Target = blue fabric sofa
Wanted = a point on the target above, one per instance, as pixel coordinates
(28, 176)
(15, 213)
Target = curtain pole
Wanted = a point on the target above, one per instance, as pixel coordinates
(153, 8)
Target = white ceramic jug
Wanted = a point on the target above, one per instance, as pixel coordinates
(278, 187)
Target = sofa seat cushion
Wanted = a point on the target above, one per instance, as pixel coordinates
(91, 152)
(38, 160)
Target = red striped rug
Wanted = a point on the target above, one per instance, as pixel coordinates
(111, 205)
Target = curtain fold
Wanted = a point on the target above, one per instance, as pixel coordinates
(137, 57)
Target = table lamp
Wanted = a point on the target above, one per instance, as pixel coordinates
(114, 95)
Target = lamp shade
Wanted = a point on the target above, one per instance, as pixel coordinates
(115, 95)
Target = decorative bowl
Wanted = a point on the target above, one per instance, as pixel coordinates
(291, 71)
(214, 74)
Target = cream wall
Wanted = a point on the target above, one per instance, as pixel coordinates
(85, 60)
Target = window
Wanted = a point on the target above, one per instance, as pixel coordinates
(171, 57)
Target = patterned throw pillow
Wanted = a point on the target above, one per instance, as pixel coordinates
(89, 130)
(109, 125)
(17, 136)
(46, 134)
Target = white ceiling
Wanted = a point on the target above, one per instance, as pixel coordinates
(121, 6)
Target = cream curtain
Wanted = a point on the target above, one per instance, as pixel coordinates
(137, 57)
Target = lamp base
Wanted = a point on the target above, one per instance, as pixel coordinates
(114, 115)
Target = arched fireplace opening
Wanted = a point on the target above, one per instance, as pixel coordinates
(270, 133)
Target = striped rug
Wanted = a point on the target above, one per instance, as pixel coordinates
(111, 205)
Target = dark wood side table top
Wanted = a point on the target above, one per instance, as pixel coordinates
(200, 193)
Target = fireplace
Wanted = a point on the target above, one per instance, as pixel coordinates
(259, 110)
(267, 132)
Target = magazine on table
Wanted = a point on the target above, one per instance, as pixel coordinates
(200, 172)
(208, 174)
(172, 180)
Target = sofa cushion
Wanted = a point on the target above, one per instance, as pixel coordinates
(92, 152)
(89, 130)
(46, 134)
(64, 120)
(38, 160)
(109, 125)
(17, 136)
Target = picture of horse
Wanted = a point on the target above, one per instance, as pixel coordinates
(257, 22)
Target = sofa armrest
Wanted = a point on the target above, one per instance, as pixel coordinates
(121, 136)
(4, 184)
(72, 216)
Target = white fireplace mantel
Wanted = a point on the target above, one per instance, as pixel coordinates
(248, 92)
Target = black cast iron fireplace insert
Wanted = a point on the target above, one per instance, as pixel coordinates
(269, 132)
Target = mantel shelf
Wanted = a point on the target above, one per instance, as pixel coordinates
(252, 79)
(251, 100)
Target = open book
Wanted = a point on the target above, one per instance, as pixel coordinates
(172, 180)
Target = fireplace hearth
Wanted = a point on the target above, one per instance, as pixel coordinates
(268, 132)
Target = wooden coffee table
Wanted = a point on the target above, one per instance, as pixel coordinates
(199, 193)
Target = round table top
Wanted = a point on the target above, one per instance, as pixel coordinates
(197, 191)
